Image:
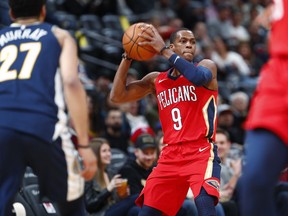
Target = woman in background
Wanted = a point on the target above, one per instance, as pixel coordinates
(100, 192)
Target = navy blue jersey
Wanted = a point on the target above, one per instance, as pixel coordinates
(31, 98)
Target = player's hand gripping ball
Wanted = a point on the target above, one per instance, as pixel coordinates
(130, 42)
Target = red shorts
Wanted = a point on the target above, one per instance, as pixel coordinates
(270, 101)
(181, 166)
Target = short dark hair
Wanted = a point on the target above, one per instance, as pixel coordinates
(224, 132)
(26, 8)
(174, 34)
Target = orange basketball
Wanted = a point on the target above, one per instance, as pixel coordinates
(130, 43)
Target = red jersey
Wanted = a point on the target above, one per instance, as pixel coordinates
(270, 100)
(279, 29)
(187, 112)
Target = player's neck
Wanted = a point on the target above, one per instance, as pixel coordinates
(175, 73)
(27, 21)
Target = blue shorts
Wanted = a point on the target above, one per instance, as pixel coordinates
(55, 165)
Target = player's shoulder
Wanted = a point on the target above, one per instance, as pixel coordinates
(62, 35)
(58, 30)
(151, 77)
(208, 63)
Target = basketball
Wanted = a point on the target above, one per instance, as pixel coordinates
(130, 42)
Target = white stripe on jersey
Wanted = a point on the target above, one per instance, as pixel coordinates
(61, 125)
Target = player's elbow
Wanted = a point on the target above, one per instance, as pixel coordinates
(203, 77)
(118, 98)
(114, 98)
(71, 82)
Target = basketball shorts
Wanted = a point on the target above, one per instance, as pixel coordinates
(55, 164)
(269, 104)
(179, 167)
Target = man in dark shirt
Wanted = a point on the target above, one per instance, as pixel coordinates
(138, 170)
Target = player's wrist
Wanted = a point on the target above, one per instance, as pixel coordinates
(126, 57)
(83, 146)
(163, 48)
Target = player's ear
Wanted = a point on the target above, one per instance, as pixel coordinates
(171, 46)
(11, 14)
(43, 13)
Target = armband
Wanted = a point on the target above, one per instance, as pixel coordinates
(198, 75)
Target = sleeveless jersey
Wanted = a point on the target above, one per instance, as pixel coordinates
(31, 98)
(279, 29)
(187, 112)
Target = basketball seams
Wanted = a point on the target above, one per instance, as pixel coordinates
(130, 43)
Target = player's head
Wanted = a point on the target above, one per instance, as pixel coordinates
(26, 8)
(183, 43)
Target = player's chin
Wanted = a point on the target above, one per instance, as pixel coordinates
(188, 56)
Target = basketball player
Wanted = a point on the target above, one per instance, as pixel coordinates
(33, 130)
(267, 140)
(187, 96)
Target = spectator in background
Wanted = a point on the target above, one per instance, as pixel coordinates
(251, 9)
(117, 130)
(136, 134)
(211, 12)
(233, 69)
(222, 26)
(97, 89)
(226, 122)
(229, 63)
(100, 192)
(230, 173)
(238, 31)
(134, 116)
(96, 119)
(201, 35)
(254, 63)
(163, 9)
(137, 170)
(190, 12)
(239, 102)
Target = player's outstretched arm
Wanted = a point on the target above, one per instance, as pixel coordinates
(75, 97)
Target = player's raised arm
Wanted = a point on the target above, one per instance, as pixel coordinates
(122, 92)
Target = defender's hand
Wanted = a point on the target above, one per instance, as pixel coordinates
(89, 163)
